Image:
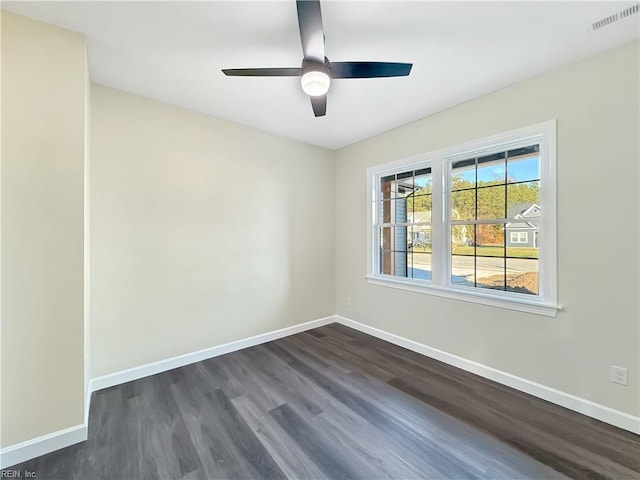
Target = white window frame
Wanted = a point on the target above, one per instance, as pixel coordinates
(545, 303)
(517, 236)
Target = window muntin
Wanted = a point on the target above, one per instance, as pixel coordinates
(455, 242)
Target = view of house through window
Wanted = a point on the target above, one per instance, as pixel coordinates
(494, 220)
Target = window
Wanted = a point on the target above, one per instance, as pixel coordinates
(491, 193)
(473, 222)
(404, 224)
(519, 237)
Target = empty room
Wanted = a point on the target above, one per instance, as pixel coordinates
(320, 240)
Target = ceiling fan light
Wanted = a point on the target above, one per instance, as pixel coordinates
(315, 83)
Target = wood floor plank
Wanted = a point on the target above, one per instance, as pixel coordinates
(360, 361)
(300, 383)
(285, 451)
(164, 437)
(240, 434)
(216, 367)
(278, 382)
(324, 454)
(292, 344)
(220, 458)
(256, 385)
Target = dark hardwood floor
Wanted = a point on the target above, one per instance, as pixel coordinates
(334, 403)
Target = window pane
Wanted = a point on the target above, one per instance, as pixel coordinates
(408, 241)
(478, 258)
(386, 186)
(491, 169)
(386, 234)
(523, 164)
(463, 255)
(404, 184)
(400, 239)
(393, 211)
(419, 209)
(522, 239)
(393, 238)
(491, 202)
(524, 151)
(520, 197)
(399, 210)
(393, 263)
(463, 239)
(385, 262)
(396, 186)
(490, 240)
(420, 266)
(463, 174)
(522, 276)
(463, 205)
(384, 212)
(462, 270)
(420, 239)
(490, 273)
(422, 181)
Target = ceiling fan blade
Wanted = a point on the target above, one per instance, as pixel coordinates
(319, 105)
(311, 34)
(263, 72)
(369, 69)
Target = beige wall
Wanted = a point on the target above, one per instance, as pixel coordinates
(596, 104)
(44, 71)
(202, 231)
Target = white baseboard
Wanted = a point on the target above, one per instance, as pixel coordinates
(21, 452)
(586, 407)
(130, 374)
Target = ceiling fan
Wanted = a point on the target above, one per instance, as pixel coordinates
(317, 71)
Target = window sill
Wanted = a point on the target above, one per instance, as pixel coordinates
(522, 305)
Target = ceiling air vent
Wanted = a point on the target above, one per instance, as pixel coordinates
(627, 12)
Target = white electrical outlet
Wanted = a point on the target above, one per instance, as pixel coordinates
(619, 375)
(348, 301)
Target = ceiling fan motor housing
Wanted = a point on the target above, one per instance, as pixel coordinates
(316, 77)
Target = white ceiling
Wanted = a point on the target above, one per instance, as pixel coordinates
(174, 51)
